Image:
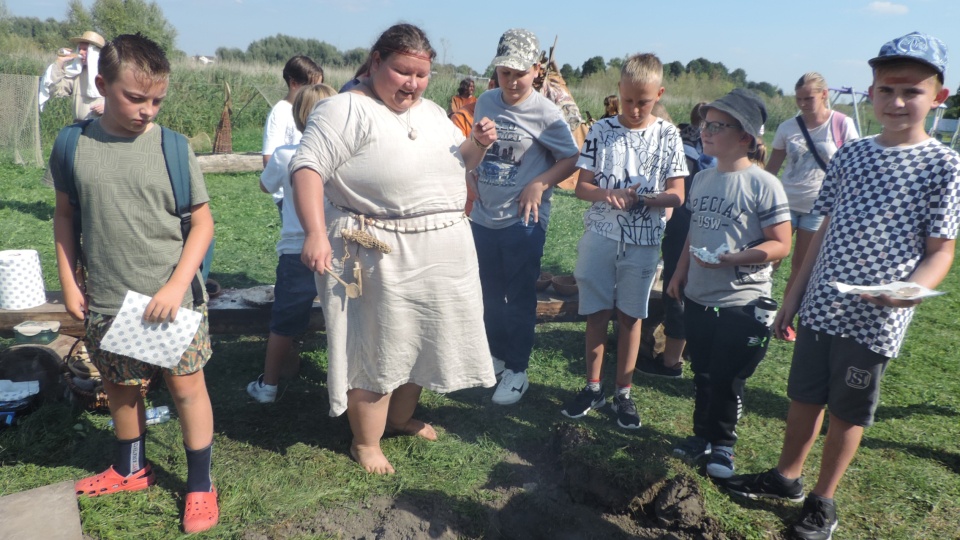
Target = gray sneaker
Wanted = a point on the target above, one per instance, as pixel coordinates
(692, 449)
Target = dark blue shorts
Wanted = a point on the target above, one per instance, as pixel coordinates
(293, 297)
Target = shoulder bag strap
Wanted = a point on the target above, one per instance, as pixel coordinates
(810, 145)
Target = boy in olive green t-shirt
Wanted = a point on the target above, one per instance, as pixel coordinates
(132, 241)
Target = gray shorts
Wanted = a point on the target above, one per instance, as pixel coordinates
(836, 371)
(611, 274)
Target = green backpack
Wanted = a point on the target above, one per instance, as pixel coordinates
(177, 157)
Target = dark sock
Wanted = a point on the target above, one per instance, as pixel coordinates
(130, 458)
(813, 495)
(198, 469)
(783, 479)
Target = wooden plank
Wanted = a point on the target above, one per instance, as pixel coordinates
(53, 310)
(229, 314)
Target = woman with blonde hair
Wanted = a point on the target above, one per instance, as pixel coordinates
(806, 143)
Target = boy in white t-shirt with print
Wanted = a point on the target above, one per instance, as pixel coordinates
(295, 287)
(631, 167)
(892, 213)
(280, 129)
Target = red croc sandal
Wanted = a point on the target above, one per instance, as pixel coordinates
(201, 511)
(110, 481)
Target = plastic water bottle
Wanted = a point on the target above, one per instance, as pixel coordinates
(155, 415)
(158, 415)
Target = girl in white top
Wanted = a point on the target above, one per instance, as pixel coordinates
(803, 174)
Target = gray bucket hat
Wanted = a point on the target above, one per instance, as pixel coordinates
(518, 49)
(745, 106)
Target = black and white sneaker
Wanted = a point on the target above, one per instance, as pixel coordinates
(692, 449)
(586, 400)
(766, 485)
(818, 519)
(626, 410)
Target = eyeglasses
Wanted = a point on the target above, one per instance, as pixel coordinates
(716, 127)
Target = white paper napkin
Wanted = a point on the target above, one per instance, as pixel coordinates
(898, 289)
(15, 391)
(707, 256)
(159, 344)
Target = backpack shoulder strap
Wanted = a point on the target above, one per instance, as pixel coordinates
(177, 156)
(838, 127)
(64, 155)
(62, 166)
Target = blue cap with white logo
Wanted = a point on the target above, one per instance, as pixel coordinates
(922, 48)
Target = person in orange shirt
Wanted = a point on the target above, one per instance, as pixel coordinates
(463, 97)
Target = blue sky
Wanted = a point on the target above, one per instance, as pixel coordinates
(772, 41)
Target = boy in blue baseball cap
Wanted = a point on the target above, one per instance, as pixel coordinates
(891, 207)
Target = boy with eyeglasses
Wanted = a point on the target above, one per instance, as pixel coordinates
(631, 168)
(740, 215)
(891, 207)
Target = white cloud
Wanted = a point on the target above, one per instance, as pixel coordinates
(881, 7)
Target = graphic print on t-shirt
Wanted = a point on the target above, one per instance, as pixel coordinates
(501, 163)
(637, 159)
(715, 213)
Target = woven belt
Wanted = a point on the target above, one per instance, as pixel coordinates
(376, 221)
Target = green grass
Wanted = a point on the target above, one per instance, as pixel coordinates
(275, 466)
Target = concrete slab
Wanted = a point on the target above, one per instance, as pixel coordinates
(45, 513)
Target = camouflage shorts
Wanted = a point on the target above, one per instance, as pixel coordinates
(124, 370)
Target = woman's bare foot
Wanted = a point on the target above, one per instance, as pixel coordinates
(371, 459)
(417, 428)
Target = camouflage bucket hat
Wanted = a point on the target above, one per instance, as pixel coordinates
(518, 49)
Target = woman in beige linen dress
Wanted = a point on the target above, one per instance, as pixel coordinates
(383, 163)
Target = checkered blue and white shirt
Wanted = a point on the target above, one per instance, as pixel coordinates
(883, 204)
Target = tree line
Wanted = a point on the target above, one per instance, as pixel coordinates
(698, 66)
(115, 17)
(107, 17)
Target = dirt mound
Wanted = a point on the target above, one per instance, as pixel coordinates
(553, 494)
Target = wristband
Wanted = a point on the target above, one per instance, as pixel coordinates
(476, 142)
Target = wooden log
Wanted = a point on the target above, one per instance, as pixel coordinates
(230, 314)
(231, 163)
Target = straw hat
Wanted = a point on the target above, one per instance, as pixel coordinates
(90, 37)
